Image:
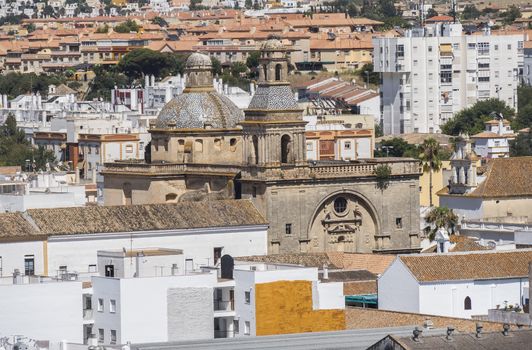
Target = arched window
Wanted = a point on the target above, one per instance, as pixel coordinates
(171, 198)
(467, 303)
(256, 148)
(127, 194)
(278, 70)
(285, 148)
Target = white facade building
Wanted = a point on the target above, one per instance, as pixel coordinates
(455, 284)
(41, 309)
(494, 141)
(432, 73)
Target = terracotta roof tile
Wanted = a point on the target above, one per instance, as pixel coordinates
(468, 266)
(506, 177)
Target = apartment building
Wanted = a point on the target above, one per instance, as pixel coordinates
(432, 73)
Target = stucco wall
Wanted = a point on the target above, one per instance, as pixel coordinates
(286, 307)
(397, 289)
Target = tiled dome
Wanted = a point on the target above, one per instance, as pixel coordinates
(198, 60)
(199, 110)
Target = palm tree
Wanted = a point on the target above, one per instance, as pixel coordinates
(430, 158)
(440, 217)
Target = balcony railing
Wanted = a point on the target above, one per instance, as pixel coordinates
(224, 305)
(87, 314)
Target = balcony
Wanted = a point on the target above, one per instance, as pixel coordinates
(224, 305)
(87, 316)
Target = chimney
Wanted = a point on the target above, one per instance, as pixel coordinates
(417, 334)
(505, 329)
(450, 330)
(479, 330)
(175, 269)
(325, 272)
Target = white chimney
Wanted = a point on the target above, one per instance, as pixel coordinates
(146, 81)
(325, 272)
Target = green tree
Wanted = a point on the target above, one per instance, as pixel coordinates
(161, 22)
(512, 13)
(196, 5)
(378, 130)
(430, 160)
(383, 173)
(440, 217)
(48, 11)
(471, 120)
(470, 12)
(127, 27)
(431, 13)
(31, 28)
(140, 62)
(104, 81)
(396, 147)
(216, 66)
(249, 4)
(367, 69)
(522, 145)
(253, 63)
(103, 29)
(238, 69)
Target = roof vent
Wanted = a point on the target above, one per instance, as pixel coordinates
(479, 330)
(417, 334)
(505, 329)
(450, 330)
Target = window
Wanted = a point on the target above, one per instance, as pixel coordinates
(288, 229)
(100, 335)
(471, 46)
(446, 77)
(247, 296)
(129, 148)
(484, 79)
(109, 271)
(399, 222)
(246, 328)
(509, 46)
(217, 254)
(236, 326)
(483, 65)
(347, 145)
(29, 265)
(483, 48)
(113, 336)
(340, 205)
(310, 146)
(430, 48)
(112, 306)
(400, 51)
(467, 303)
(92, 268)
(254, 191)
(100, 305)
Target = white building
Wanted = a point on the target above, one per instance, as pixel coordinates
(455, 284)
(41, 308)
(494, 141)
(432, 73)
(50, 241)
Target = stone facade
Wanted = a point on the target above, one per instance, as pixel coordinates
(311, 206)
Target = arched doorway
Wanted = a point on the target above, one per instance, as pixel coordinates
(278, 72)
(344, 221)
(286, 149)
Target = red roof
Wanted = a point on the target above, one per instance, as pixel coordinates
(441, 18)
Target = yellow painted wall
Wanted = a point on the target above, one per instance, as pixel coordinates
(286, 307)
(437, 184)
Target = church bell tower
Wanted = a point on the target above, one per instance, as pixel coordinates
(274, 129)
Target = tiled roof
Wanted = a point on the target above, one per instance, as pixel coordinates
(506, 177)
(183, 215)
(468, 266)
(491, 135)
(37, 223)
(374, 263)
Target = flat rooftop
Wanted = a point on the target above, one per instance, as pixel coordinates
(141, 252)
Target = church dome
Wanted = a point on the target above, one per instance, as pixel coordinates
(272, 44)
(198, 61)
(199, 109)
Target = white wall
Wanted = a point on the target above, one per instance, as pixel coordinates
(47, 311)
(447, 298)
(468, 208)
(245, 281)
(397, 289)
(12, 256)
(330, 295)
(78, 252)
(142, 314)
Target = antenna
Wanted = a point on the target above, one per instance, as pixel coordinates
(453, 9)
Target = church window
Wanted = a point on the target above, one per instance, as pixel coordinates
(467, 303)
(198, 146)
(278, 70)
(256, 148)
(180, 146)
(310, 146)
(217, 144)
(399, 222)
(288, 229)
(232, 144)
(285, 148)
(254, 191)
(340, 205)
(171, 198)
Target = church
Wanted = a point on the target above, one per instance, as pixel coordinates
(205, 148)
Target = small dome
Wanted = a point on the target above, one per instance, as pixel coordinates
(199, 110)
(198, 60)
(273, 44)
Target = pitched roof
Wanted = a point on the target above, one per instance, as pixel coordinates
(506, 177)
(468, 266)
(40, 223)
(374, 263)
